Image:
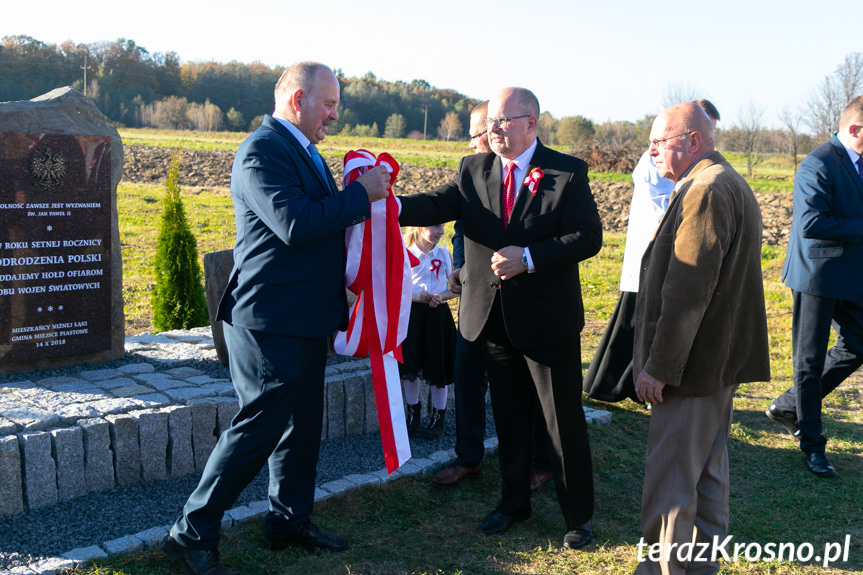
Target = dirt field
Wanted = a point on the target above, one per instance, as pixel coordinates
(205, 168)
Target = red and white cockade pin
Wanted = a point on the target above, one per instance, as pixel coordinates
(532, 180)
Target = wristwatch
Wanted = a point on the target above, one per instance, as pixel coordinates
(524, 258)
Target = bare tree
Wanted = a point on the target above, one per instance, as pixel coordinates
(450, 127)
(679, 92)
(748, 128)
(828, 101)
(791, 120)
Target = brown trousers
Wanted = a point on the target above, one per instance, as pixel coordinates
(685, 497)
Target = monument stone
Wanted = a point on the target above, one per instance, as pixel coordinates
(61, 300)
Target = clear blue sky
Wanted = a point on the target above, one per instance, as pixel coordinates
(604, 59)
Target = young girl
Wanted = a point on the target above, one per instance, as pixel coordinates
(428, 350)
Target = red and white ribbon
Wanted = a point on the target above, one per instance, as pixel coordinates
(378, 271)
(532, 180)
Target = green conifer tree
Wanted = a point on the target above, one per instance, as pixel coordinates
(178, 299)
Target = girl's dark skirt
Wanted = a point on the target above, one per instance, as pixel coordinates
(429, 348)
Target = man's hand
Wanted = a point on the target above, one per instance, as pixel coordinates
(454, 281)
(506, 263)
(648, 388)
(376, 181)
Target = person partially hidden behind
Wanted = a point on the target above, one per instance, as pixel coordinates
(285, 296)
(824, 269)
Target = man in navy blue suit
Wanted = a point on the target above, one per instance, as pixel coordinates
(823, 269)
(286, 294)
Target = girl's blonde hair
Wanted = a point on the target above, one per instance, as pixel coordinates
(411, 234)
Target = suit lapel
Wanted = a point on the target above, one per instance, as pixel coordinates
(845, 162)
(306, 158)
(524, 197)
(493, 178)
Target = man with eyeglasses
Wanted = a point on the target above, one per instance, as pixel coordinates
(470, 377)
(700, 331)
(823, 269)
(609, 377)
(529, 218)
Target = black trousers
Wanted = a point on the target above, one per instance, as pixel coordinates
(551, 375)
(280, 385)
(817, 370)
(470, 389)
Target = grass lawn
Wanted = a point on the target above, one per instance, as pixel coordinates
(410, 527)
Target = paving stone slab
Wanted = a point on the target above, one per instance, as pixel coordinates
(53, 566)
(68, 446)
(11, 479)
(32, 418)
(84, 554)
(180, 456)
(163, 382)
(127, 449)
(187, 394)
(137, 368)
(152, 537)
(204, 426)
(98, 457)
(99, 374)
(123, 545)
(153, 439)
(40, 470)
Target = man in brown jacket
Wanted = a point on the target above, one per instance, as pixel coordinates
(700, 330)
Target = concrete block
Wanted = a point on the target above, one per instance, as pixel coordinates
(53, 566)
(127, 448)
(123, 545)
(32, 418)
(334, 389)
(338, 486)
(153, 441)
(361, 480)
(69, 455)
(321, 494)
(355, 405)
(371, 418)
(11, 479)
(226, 409)
(40, 471)
(204, 427)
(98, 457)
(152, 537)
(84, 554)
(242, 514)
(180, 454)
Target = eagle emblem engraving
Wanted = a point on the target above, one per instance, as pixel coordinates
(48, 168)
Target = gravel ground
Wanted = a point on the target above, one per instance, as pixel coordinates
(99, 517)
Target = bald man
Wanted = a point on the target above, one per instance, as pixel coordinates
(521, 298)
(700, 331)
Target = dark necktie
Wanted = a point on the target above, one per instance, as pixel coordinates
(860, 166)
(508, 192)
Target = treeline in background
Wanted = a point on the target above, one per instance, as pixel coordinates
(134, 88)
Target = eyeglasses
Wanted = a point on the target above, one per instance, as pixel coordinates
(658, 143)
(480, 135)
(501, 122)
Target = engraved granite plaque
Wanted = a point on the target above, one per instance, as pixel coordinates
(55, 245)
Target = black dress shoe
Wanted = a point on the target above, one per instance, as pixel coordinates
(578, 537)
(309, 537)
(820, 465)
(788, 420)
(194, 561)
(497, 522)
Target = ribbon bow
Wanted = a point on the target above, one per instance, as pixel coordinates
(532, 180)
(378, 271)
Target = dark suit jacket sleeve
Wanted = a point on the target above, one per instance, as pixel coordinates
(458, 244)
(433, 208)
(817, 184)
(271, 169)
(581, 229)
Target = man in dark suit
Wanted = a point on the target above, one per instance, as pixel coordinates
(470, 379)
(824, 269)
(521, 297)
(700, 331)
(286, 294)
